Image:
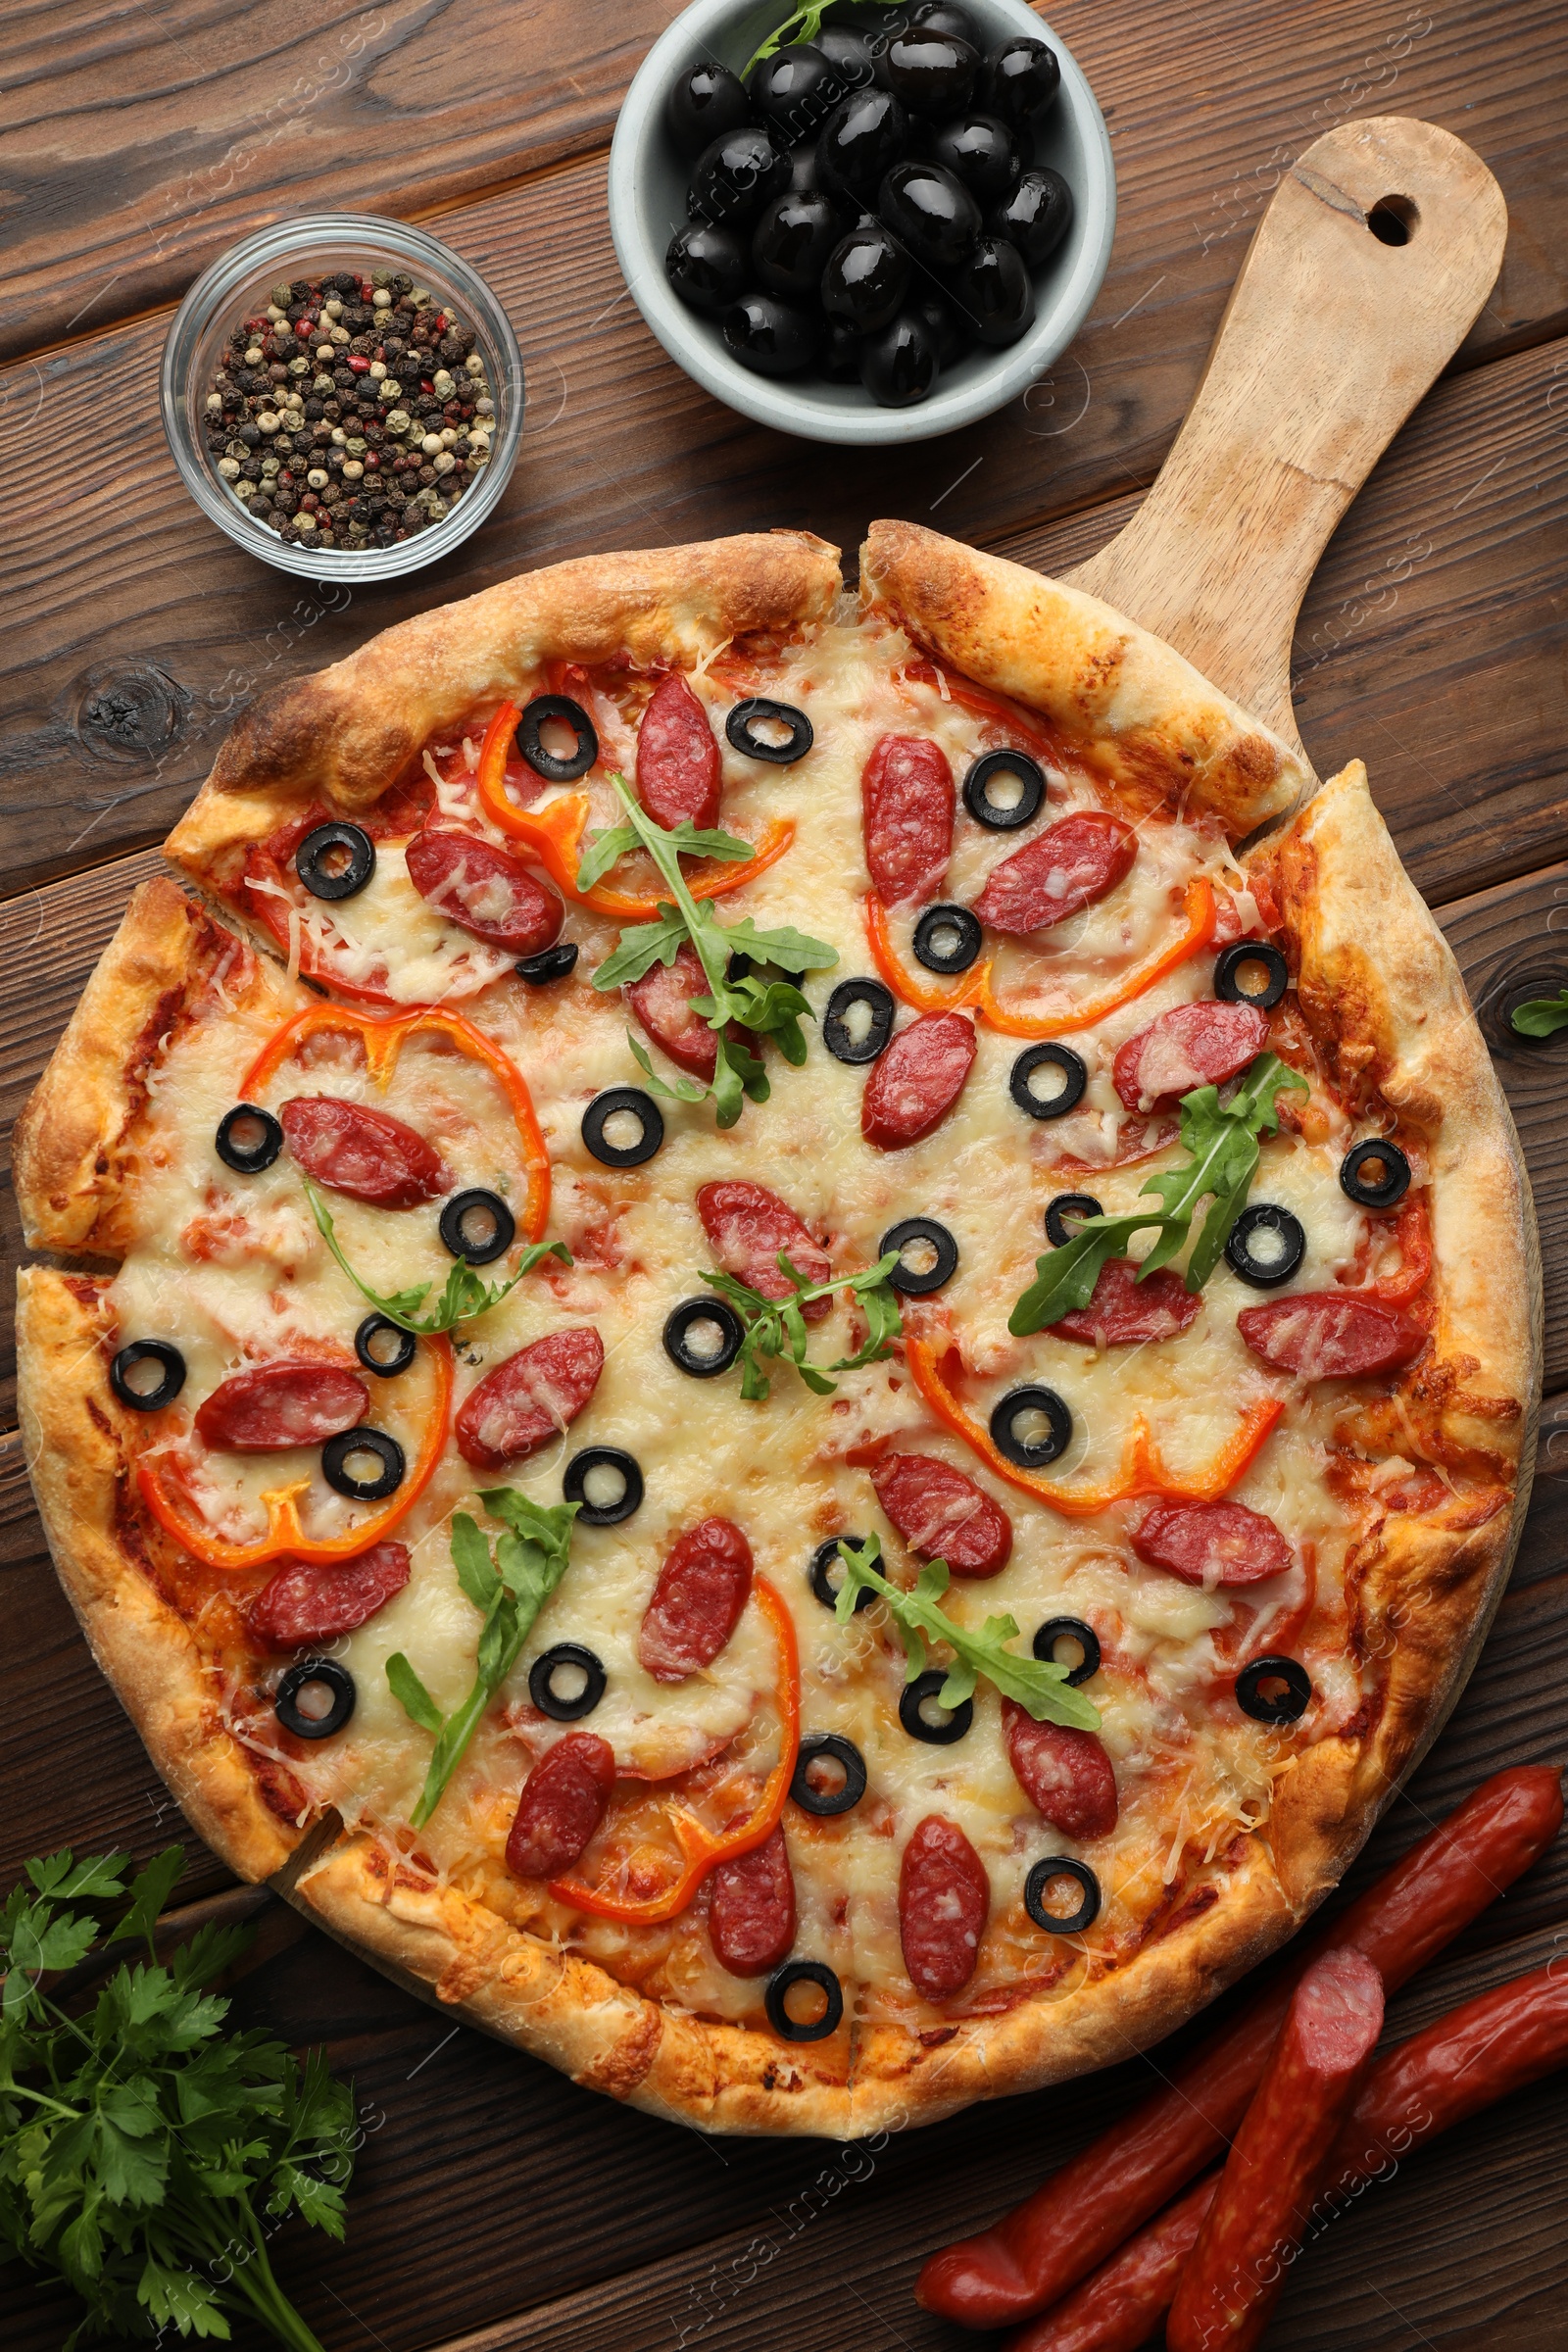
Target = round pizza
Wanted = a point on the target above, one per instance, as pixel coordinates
(789, 1333)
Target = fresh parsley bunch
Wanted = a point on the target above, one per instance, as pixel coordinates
(776, 1326)
(145, 2155)
(465, 1296)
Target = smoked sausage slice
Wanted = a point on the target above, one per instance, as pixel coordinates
(562, 1803)
(917, 1080)
(525, 1402)
(942, 1514)
(661, 1002)
(1211, 1543)
(364, 1152)
(1062, 871)
(1331, 1335)
(1065, 1773)
(1191, 1044)
(279, 1405)
(1123, 1310)
(697, 1603)
(679, 772)
(907, 807)
(315, 1600)
(483, 890)
(944, 1900)
(751, 1912)
(748, 1226)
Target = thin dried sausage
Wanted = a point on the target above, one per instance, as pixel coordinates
(696, 1603)
(1212, 1544)
(944, 1900)
(315, 1600)
(942, 1514)
(679, 773)
(1122, 1311)
(562, 1805)
(1191, 1044)
(661, 1003)
(1331, 1335)
(279, 1405)
(1065, 1773)
(1120, 2307)
(751, 1911)
(907, 807)
(483, 890)
(1062, 871)
(529, 1398)
(748, 1226)
(917, 1081)
(367, 1154)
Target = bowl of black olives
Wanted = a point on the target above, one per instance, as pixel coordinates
(875, 233)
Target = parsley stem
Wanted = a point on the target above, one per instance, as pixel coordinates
(20, 2090)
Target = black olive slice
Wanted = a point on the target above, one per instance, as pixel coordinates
(556, 768)
(478, 1226)
(335, 860)
(922, 1694)
(943, 1266)
(248, 1139)
(144, 1395)
(614, 1101)
(567, 1658)
(827, 1748)
(1005, 816)
(824, 1559)
(782, 1983)
(613, 1462)
(946, 939)
(1235, 961)
(348, 1447)
(1049, 1448)
(551, 963)
(688, 1317)
(744, 721)
(384, 1346)
(1070, 1629)
(1062, 1922)
(1375, 1192)
(315, 1674)
(1077, 1205)
(1274, 1690)
(1074, 1078)
(1266, 1244)
(840, 1036)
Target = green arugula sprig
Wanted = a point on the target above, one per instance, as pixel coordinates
(530, 1560)
(804, 26)
(1037, 1684)
(776, 1326)
(465, 1296)
(142, 2149)
(1541, 1016)
(1222, 1141)
(768, 1007)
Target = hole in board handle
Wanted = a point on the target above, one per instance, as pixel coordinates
(1392, 219)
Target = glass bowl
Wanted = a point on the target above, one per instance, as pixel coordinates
(239, 284)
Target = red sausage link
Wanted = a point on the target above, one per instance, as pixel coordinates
(1123, 1309)
(367, 1154)
(679, 768)
(944, 1902)
(1329, 1335)
(917, 1081)
(562, 1803)
(279, 1406)
(317, 1600)
(748, 1226)
(529, 1398)
(661, 1002)
(907, 806)
(1191, 1044)
(1279, 2159)
(1213, 1543)
(751, 1914)
(940, 1512)
(482, 890)
(1065, 1773)
(1120, 2306)
(697, 1603)
(1062, 871)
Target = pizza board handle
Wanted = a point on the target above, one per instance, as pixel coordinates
(1330, 337)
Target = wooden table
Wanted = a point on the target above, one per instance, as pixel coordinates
(496, 2205)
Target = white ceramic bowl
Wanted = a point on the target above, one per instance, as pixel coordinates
(648, 179)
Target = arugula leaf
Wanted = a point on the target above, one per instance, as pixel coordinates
(776, 1327)
(685, 839)
(465, 1296)
(804, 26)
(792, 950)
(1222, 1142)
(1037, 1684)
(1541, 1016)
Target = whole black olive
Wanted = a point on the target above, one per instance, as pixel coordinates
(994, 287)
(839, 353)
(951, 330)
(805, 178)
(941, 16)
(707, 267)
(1021, 77)
(791, 244)
(704, 104)
(981, 152)
(1035, 215)
(861, 137)
(795, 90)
(848, 53)
(866, 278)
(899, 365)
(737, 177)
(933, 213)
(932, 73)
(771, 336)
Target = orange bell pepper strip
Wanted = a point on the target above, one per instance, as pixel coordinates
(700, 1847)
(555, 835)
(284, 1536)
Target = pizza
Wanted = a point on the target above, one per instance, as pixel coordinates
(790, 1334)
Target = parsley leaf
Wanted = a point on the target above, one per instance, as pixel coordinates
(1541, 1016)
(465, 1296)
(775, 1327)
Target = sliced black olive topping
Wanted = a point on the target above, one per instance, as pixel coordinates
(1274, 1690)
(1049, 1442)
(1004, 812)
(1266, 1244)
(147, 1374)
(1251, 972)
(839, 1795)
(922, 1694)
(248, 1140)
(703, 1337)
(556, 768)
(323, 1677)
(935, 1255)
(782, 1983)
(1038, 1884)
(335, 860)
(384, 1346)
(605, 1467)
(1388, 1179)
(1041, 1102)
(818, 1575)
(551, 963)
(946, 939)
(747, 719)
(1077, 1205)
(1070, 1629)
(582, 1674)
(625, 1105)
(851, 1038)
(360, 1445)
(478, 1226)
